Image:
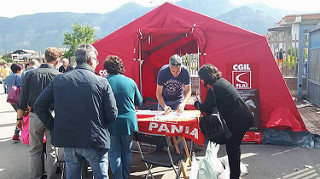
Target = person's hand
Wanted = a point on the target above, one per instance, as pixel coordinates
(197, 97)
(180, 108)
(20, 124)
(167, 110)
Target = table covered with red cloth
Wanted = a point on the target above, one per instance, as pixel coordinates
(174, 124)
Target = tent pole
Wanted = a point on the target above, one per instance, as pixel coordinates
(198, 67)
(140, 67)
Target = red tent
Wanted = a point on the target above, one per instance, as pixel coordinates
(243, 57)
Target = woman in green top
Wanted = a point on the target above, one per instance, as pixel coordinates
(127, 97)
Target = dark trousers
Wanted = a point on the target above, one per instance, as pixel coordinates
(234, 152)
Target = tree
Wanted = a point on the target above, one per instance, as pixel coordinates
(7, 58)
(81, 34)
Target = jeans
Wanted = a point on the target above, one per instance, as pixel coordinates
(15, 107)
(97, 158)
(36, 148)
(120, 156)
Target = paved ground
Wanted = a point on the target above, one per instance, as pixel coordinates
(265, 161)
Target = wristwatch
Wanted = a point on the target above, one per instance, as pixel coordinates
(19, 119)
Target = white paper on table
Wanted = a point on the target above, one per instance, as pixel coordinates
(148, 112)
(176, 115)
(172, 115)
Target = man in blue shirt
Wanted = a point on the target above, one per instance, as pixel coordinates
(173, 85)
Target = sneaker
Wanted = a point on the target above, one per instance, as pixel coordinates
(16, 138)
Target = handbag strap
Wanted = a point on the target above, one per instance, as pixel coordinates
(214, 107)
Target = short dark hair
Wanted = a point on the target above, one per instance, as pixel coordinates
(85, 52)
(52, 54)
(113, 64)
(209, 74)
(175, 60)
(15, 67)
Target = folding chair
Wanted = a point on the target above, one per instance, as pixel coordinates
(158, 158)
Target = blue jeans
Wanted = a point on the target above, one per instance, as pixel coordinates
(97, 158)
(120, 156)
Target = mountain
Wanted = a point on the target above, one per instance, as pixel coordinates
(210, 8)
(248, 18)
(42, 30)
(39, 31)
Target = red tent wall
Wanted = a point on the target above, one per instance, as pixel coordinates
(223, 45)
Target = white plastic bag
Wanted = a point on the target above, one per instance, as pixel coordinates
(243, 169)
(210, 166)
(194, 168)
(212, 156)
(225, 174)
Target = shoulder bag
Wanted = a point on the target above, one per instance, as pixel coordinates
(14, 93)
(214, 127)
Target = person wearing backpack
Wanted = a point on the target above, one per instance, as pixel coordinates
(14, 79)
(232, 108)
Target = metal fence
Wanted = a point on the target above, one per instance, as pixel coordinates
(314, 68)
(191, 61)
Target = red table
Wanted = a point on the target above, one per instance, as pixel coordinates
(183, 125)
(177, 126)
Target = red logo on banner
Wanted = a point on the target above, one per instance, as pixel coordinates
(241, 76)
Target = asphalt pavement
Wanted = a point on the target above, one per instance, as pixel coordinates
(265, 161)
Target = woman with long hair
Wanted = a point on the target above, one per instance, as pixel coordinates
(232, 108)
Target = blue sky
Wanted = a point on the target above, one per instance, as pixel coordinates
(12, 8)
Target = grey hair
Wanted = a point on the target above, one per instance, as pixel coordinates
(175, 60)
(34, 62)
(65, 60)
(84, 52)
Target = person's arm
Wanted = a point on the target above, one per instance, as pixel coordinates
(207, 105)
(23, 98)
(160, 99)
(42, 107)
(110, 109)
(187, 94)
(137, 96)
(159, 96)
(23, 101)
(187, 90)
(20, 122)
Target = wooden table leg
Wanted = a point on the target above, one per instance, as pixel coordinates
(176, 140)
(186, 150)
(176, 143)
